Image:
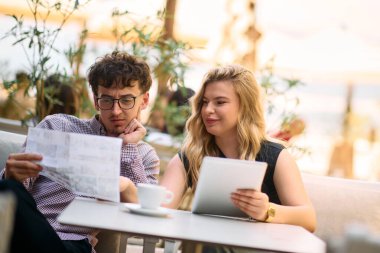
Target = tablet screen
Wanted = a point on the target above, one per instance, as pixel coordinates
(218, 178)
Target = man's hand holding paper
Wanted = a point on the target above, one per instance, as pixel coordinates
(86, 164)
(22, 166)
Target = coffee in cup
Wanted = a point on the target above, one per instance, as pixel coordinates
(152, 196)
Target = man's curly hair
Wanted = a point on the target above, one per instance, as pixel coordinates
(120, 69)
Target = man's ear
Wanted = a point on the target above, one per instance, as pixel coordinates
(96, 103)
(145, 102)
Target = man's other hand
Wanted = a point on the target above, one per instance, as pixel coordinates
(21, 166)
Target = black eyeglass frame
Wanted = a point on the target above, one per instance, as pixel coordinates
(118, 102)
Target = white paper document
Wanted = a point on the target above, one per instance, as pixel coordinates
(86, 164)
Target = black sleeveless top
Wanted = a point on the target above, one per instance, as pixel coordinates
(268, 153)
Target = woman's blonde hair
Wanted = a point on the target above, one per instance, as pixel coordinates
(251, 124)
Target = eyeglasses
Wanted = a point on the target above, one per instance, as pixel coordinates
(125, 103)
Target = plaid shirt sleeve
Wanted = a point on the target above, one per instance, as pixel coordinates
(140, 163)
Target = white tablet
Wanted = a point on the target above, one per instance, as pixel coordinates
(218, 178)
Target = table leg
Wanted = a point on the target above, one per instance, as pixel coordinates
(123, 242)
(149, 244)
(171, 246)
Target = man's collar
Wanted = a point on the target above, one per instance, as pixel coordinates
(97, 125)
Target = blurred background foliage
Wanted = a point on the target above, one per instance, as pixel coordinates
(150, 38)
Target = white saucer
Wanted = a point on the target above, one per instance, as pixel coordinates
(136, 208)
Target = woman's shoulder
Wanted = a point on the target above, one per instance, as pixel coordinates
(269, 150)
(271, 145)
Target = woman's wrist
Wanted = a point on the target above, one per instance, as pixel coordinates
(271, 213)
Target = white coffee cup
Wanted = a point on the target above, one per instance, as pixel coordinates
(152, 196)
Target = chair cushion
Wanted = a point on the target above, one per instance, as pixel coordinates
(339, 202)
(9, 143)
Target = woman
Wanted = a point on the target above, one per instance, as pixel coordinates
(228, 121)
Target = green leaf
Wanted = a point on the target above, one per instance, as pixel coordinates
(58, 6)
(30, 43)
(44, 60)
(8, 84)
(18, 41)
(14, 17)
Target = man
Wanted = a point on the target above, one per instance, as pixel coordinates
(120, 84)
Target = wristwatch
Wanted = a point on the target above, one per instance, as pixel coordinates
(271, 212)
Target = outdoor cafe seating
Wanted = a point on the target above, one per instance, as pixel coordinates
(338, 203)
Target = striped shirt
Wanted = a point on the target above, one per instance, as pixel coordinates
(139, 162)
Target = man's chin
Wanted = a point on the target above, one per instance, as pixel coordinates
(116, 131)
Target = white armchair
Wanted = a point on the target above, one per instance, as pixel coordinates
(339, 202)
(9, 143)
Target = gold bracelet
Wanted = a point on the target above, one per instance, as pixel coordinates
(271, 213)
